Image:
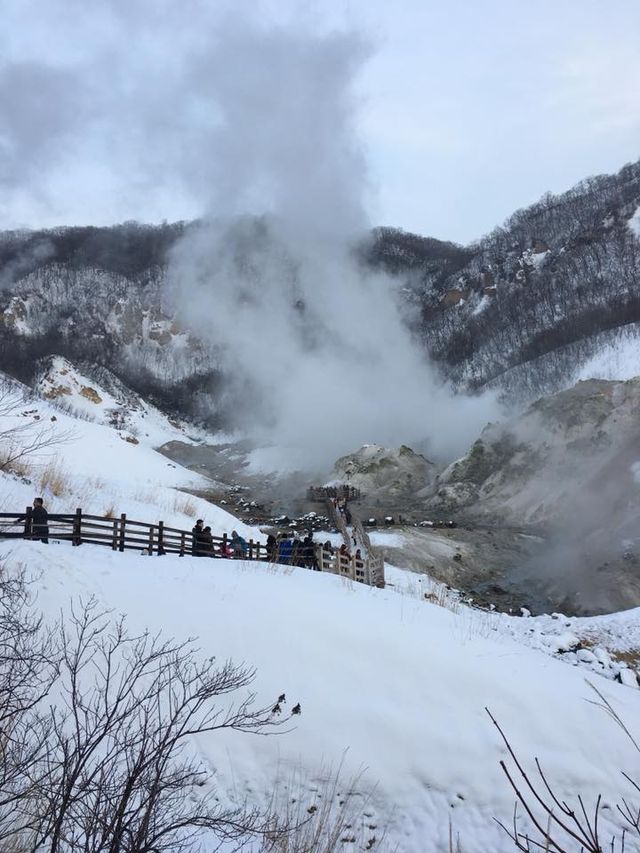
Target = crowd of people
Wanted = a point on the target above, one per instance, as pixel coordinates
(350, 493)
(203, 544)
(293, 551)
(306, 553)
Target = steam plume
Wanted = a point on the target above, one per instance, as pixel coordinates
(317, 353)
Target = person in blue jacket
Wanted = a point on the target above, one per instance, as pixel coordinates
(239, 546)
(285, 549)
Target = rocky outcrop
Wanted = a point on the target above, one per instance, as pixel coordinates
(533, 467)
(569, 468)
(390, 473)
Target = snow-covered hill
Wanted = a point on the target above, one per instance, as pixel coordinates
(389, 683)
(388, 680)
(92, 462)
(108, 402)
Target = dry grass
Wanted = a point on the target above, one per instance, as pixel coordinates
(454, 847)
(629, 656)
(185, 504)
(109, 512)
(325, 815)
(54, 480)
(17, 467)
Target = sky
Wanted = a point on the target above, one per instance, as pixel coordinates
(462, 111)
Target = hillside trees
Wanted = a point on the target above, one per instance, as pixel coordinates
(557, 272)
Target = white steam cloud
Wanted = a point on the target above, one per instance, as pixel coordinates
(318, 356)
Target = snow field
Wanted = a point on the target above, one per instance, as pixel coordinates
(387, 681)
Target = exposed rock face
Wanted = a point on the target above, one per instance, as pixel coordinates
(532, 468)
(392, 473)
(571, 464)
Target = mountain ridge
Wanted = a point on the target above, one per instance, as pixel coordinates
(557, 275)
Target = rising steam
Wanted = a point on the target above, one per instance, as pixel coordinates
(318, 358)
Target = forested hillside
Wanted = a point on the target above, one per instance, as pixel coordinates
(556, 274)
(522, 309)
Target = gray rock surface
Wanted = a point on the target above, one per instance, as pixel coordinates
(389, 473)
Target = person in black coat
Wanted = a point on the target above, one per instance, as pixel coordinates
(196, 534)
(39, 521)
(206, 543)
(272, 548)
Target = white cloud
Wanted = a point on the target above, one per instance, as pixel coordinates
(466, 111)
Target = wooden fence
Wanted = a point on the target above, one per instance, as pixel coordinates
(342, 564)
(124, 534)
(374, 563)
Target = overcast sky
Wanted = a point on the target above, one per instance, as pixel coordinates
(462, 110)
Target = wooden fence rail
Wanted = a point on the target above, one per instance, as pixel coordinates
(122, 534)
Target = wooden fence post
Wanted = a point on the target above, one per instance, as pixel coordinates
(150, 545)
(76, 538)
(27, 523)
(182, 543)
(114, 539)
(160, 538)
(123, 524)
(224, 544)
(251, 549)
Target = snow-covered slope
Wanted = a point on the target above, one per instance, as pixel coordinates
(107, 402)
(387, 680)
(103, 469)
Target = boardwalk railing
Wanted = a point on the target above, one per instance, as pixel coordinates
(374, 561)
(321, 493)
(374, 557)
(123, 534)
(343, 564)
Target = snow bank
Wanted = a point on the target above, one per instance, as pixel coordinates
(396, 684)
(618, 360)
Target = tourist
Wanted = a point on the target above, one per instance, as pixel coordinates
(196, 534)
(238, 545)
(39, 521)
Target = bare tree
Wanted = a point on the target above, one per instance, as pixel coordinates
(110, 765)
(20, 434)
(28, 670)
(123, 778)
(556, 825)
